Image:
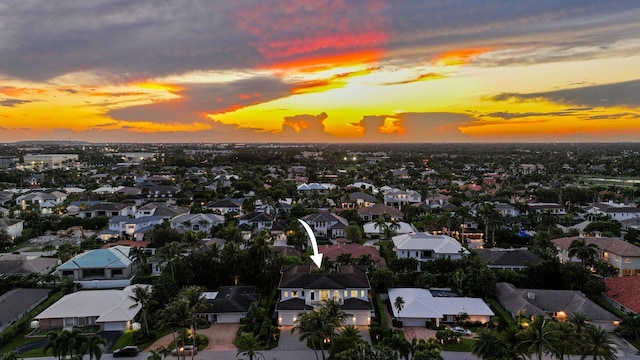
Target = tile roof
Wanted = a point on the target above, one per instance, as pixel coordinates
(331, 252)
(347, 276)
(507, 257)
(624, 290)
(612, 245)
(542, 302)
(232, 299)
(116, 257)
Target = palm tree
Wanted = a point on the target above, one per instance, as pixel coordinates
(320, 325)
(380, 223)
(195, 299)
(306, 327)
(248, 344)
(175, 315)
(398, 303)
(11, 355)
(170, 253)
(93, 346)
(142, 296)
(579, 321)
(458, 277)
(538, 338)
(597, 343)
(63, 343)
(565, 343)
(587, 253)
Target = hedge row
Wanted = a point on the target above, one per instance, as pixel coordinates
(22, 326)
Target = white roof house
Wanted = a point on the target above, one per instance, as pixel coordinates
(111, 309)
(372, 228)
(420, 306)
(427, 247)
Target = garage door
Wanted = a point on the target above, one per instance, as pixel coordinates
(115, 326)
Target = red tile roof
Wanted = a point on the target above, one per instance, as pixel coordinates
(132, 243)
(333, 251)
(624, 290)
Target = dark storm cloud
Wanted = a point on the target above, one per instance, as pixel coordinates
(617, 94)
(126, 39)
(206, 98)
(13, 102)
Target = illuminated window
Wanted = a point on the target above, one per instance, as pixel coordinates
(627, 260)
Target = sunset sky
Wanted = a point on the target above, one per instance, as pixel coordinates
(320, 71)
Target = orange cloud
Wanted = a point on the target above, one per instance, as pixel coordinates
(422, 77)
(459, 57)
(16, 91)
(334, 82)
(329, 61)
(391, 126)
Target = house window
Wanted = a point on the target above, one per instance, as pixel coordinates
(312, 296)
(427, 254)
(362, 293)
(294, 294)
(627, 260)
(324, 294)
(626, 272)
(285, 294)
(354, 293)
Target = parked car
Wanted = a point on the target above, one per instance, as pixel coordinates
(128, 351)
(461, 331)
(186, 350)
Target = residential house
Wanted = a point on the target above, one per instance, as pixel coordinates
(107, 209)
(100, 268)
(614, 211)
(315, 188)
(356, 252)
(13, 227)
(130, 228)
(112, 310)
(196, 222)
(17, 303)
(508, 259)
(420, 306)
(400, 198)
(426, 247)
(256, 221)
(557, 304)
(45, 200)
(506, 210)
(302, 290)
(622, 292)
(370, 213)
(551, 208)
(620, 254)
(225, 206)
(26, 264)
(229, 304)
(357, 200)
(160, 209)
(327, 225)
(372, 229)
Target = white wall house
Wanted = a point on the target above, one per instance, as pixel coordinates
(302, 290)
(427, 247)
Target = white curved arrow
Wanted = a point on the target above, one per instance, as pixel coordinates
(316, 257)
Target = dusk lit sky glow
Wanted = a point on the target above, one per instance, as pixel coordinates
(320, 71)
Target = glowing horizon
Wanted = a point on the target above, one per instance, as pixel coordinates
(328, 72)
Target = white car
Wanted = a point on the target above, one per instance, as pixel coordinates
(187, 350)
(461, 331)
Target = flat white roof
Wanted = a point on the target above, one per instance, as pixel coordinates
(419, 303)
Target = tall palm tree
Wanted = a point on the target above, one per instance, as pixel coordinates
(142, 296)
(248, 345)
(194, 297)
(175, 315)
(93, 346)
(597, 343)
(587, 253)
(170, 253)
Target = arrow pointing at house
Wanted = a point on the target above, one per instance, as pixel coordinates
(316, 257)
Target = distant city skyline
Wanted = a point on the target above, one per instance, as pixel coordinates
(322, 71)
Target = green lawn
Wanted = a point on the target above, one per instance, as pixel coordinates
(464, 345)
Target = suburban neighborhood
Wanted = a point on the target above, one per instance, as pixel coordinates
(426, 250)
